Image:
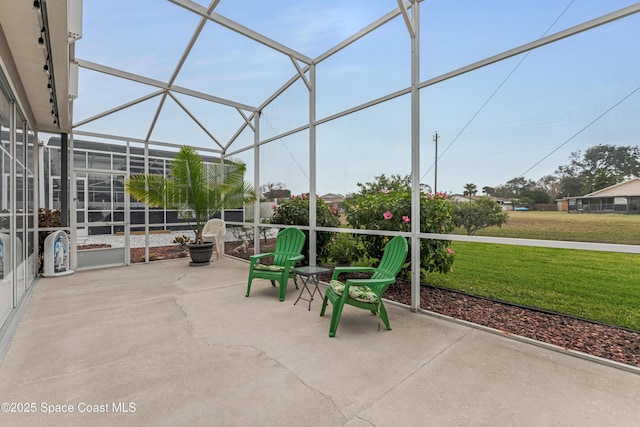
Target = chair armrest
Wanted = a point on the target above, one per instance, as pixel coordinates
(254, 258)
(339, 270)
(291, 261)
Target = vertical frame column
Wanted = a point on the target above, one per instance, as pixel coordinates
(415, 157)
(312, 166)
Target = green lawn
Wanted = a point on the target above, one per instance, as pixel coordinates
(597, 228)
(601, 286)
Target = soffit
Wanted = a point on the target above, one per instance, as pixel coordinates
(20, 24)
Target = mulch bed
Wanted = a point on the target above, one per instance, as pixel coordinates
(608, 342)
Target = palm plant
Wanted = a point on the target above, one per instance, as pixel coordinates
(195, 190)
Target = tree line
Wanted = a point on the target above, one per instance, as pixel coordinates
(596, 168)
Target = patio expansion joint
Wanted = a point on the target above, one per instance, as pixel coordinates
(261, 353)
(264, 354)
(413, 372)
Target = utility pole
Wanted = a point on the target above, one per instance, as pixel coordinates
(435, 180)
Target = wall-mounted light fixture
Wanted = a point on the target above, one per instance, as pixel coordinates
(45, 41)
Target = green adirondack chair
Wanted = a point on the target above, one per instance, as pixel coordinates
(366, 293)
(289, 243)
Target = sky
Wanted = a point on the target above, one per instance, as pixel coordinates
(523, 116)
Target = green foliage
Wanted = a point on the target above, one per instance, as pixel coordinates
(483, 213)
(182, 241)
(601, 286)
(391, 210)
(195, 190)
(295, 211)
(599, 167)
(470, 190)
(344, 249)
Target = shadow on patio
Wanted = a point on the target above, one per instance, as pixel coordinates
(169, 344)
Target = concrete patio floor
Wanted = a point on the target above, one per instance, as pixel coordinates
(165, 344)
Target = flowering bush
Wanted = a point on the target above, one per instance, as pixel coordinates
(391, 210)
(295, 211)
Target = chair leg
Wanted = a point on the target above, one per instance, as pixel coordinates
(335, 317)
(324, 304)
(273, 283)
(283, 289)
(248, 287)
(383, 316)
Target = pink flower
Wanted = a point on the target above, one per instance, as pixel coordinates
(449, 250)
(274, 207)
(387, 215)
(384, 191)
(406, 218)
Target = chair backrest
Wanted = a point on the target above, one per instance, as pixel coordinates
(214, 228)
(288, 242)
(394, 256)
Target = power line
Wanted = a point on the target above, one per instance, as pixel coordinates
(580, 131)
(286, 148)
(495, 91)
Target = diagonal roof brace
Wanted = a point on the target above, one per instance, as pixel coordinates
(160, 84)
(238, 28)
(301, 72)
(195, 119)
(407, 20)
(247, 119)
(118, 108)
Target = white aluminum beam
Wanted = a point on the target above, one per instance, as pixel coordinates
(246, 119)
(139, 140)
(585, 26)
(119, 108)
(195, 119)
(160, 84)
(415, 153)
(240, 29)
(301, 73)
(363, 32)
(156, 116)
(407, 18)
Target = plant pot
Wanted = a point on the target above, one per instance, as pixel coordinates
(200, 253)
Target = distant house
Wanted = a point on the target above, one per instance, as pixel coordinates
(461, 198)
(505, 204)
(619, 198)
(333, 200)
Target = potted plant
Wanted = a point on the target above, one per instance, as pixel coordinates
(196, 191)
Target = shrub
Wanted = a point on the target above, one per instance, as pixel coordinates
(344, 249)
(182, 241)
(391, 210)
(295, 211)
(482, 213)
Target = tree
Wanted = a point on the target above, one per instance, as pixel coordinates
(599, 167)
(482, 213)
(488, 190)
(470, 190)
(551, 185)
(195, 190)
(274, 190)
(513, 188)
(536, 196)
